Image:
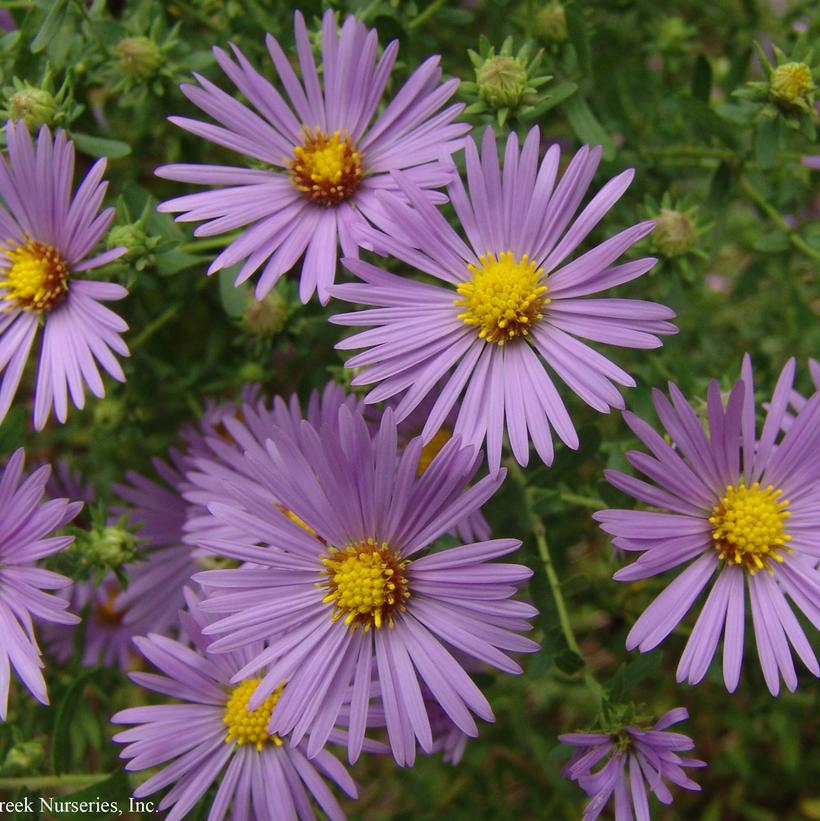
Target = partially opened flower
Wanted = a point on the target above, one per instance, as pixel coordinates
(47, 236)
(638, 761)
(25, 525)
(509, 304)
(735, 504)
(324, 154)
(341, 596)
(210, 735)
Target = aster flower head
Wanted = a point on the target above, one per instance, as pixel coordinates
(212, 735)
(326, 151)
(638, 761)
(25, 525)
(733, 504)
(509, 303)
(47, 235)
(341, 596)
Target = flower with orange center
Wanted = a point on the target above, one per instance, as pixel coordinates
(35, 279)
(327, 168)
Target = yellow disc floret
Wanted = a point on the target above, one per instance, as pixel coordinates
(250, 726)
(432, 448)
(367, 584)
(36, 277)
(748, 526)
(504, 298)
(327, 168)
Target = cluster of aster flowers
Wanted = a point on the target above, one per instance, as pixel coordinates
(292, 587)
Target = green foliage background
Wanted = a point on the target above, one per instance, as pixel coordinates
(654, 83)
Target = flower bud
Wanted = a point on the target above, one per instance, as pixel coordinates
(674, 233)
(33, 106)
(551, 23)
(110, 547)
(265, 317)
(109, 413)
(790, 85)
(140, 57)
(502, 81)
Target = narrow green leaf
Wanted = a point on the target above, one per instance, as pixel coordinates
(586, 126)
(557, 94)
(702, 79)
(233, 297)
(568, 661)
(101, 146)
(772, 243)
(61, 744)
(577, 30)
(51, 26)
(767, 141)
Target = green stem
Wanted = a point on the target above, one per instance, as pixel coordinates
(777, 218)
(582, 501)
(426, 14)
(149, 330)
(208, 242)
(538, 530)
(41, 782)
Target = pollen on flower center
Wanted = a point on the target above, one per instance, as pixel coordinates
(250, 726)
(36, 278)
(748, 526)
(504, 297)
(326, 167)
(367, 584)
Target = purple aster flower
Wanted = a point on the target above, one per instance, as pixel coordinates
(324, 160)
(342, 598)
(24, 527)
(509, 301)
(638, 759)
(46, 236)
(733, 504)
(796, 400)
(211, 730)
(811, 161)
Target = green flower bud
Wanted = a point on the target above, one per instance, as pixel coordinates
(110, 547)
(140, 57)
(791, 85)
(551, 23)
(33, 106)
(132, 236)
(674, 233)
(252, 372)
(502, 81)
(265, 317)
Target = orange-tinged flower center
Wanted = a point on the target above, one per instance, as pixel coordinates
(367, 583)
(327, 168)
(36, 277)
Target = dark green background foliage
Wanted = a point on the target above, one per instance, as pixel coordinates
(655, 83)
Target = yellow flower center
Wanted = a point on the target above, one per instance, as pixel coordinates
(250, 726)
(36, 278)
(747, 526)
(107, 611)
(367, 584)
(504, 297)
(791, 82)
(326, 167)
(431, 449)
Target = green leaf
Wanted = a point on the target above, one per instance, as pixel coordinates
(233, 297)
(586, 126)
(51, 25)
(101, 146)
(772, 243)
(568, 661)
(172, 262)
(767, 141)
(631, 674)
(111, 794)
(61, 745)
(577, 30)
(702, 79)
(557, 94)
(706, 120)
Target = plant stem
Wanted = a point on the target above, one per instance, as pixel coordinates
(149, 330)
(426, 14)
(207, 243)
(39, 782)
(582, 501)
(777, 218)
(538, 530)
